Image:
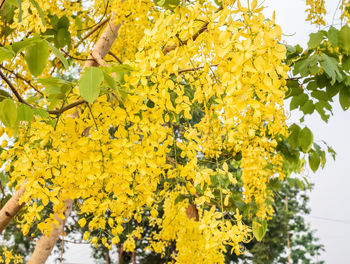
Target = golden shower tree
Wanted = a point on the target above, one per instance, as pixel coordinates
(121, 111)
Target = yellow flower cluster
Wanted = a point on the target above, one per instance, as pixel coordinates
(344, 7)
(316, 11)
(9, 258)
(122, 159)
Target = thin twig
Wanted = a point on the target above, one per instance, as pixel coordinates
(197, 68)
(115, 56)
(67, 107)
(92, 32)
(13, 89)
(21, 100)
(204, 27)
(23, 79)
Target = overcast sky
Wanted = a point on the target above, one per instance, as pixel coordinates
(330, 198)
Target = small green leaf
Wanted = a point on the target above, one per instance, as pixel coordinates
(8, 113)
(315, 39)
(59, 55)
(89, 84)
(344, 39)
(19, 2)
(330, 66)
(314, 160)
(6, 54)
(41, 112)
(4, 95)
(62, 38)
(110, 81)
(21, 45)
(298, 101)
(344, 97)
(306, 139)
(308, 107)
(36, 56)
(259, 229)
(333, 36)
(63, 22)
(294, 136)
(25, 113)
(346, 63)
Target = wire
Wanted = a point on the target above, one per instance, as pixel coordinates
(331, 219)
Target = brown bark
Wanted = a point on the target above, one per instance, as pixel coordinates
(108, 258)
(11, 208)
(45, 244)
(133, 257)
(104, 44)
(120, 253)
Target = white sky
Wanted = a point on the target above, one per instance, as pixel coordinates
(331, 192)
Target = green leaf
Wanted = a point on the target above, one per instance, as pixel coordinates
(344, 97)
(298, 101)
(21, 45)
(314, 160)
(59, 55)
(19, 2)
(63, 22)
(110, 81)
(4, 95)
(259, 229)
(319, 106)
(306, 139)
(8, 113)
(52, 81)
(308, 107)
(346, 63)
(41, 112)
(320, 95)
(6, 54)
(332, 90)
(40, 11)
(120, 71)
(294, 136)
(36, 56)
(344, 39)
(293, 88)
(330, 66)
(62, 38)
(307, 66)
(315, 39)
(25, 113)
(333, 36)
(89, 84)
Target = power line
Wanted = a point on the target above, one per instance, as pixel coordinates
(331, 219)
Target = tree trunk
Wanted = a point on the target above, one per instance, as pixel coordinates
(11, 208)
(133, 257)
(120, 253)
(45, 244)
(108, 258)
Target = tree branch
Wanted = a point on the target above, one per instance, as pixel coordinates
(11, 208)
(23, 79)
(13, 89)
(204, 27)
